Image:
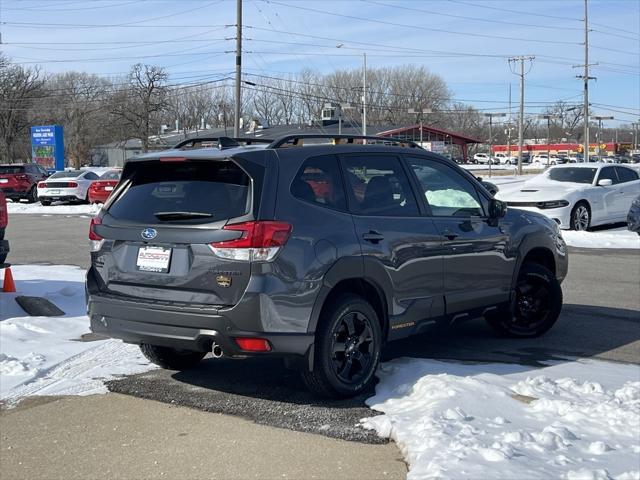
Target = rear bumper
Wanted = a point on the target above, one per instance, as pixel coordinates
(16, 192)
(137, 321)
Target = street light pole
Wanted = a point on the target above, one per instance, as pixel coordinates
(600, 118)
(364, 95)
(491, 115)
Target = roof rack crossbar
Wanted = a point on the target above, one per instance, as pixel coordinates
(222, 142)
(295, 140)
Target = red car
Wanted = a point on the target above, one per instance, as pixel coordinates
(4, 219)
(19, 180)
(100, 190)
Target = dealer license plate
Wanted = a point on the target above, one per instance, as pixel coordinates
(154, 259)
(53, 192)
(108, 188)
(4, 180)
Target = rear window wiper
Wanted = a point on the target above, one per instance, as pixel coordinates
(181, 215)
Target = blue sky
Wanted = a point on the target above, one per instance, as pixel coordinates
(467, 42)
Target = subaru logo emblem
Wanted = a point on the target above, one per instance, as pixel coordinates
(149, 233)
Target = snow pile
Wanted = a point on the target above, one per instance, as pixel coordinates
(54, 209)
(576, 420)
(44, 355)
(616, 238)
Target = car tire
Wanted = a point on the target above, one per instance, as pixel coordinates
(32, 196)
(580, 217)
(170, 358)
(535, 307)
(45, 203)
(348, 337)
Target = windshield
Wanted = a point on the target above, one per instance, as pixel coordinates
(573, 175)
(70, 174)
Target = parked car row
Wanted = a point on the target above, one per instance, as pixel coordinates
(31, 182)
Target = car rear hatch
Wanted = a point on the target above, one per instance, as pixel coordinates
(13, 177)
(159, 225)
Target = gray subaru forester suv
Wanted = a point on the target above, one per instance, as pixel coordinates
(318, 252)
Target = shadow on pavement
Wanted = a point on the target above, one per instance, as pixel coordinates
(263, 390)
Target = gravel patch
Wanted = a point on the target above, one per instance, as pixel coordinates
(259, 389)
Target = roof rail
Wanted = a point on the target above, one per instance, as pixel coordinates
(297, 140)
(221, 142)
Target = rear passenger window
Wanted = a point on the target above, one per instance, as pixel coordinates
(377, 185)
(318, 181)
(626, 174)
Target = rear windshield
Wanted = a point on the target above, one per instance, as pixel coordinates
(69, 174)
(8, 169)
(573, 175)
(191, 192)
(111, 175)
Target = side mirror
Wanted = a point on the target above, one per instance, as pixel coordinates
(497, 208)
(605, 182)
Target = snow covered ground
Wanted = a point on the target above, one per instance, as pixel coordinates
(576, 420)
(615, 238)
(44, 355)
(55, 209)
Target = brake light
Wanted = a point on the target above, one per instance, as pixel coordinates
(95, 240)
(253, 344)
(72, 185)
(22, 177)
(173, 159)
(42, 185)
(260, 241)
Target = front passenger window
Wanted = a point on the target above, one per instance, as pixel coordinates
(447, 192)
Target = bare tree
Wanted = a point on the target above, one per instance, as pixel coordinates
(141, 104)
(77, 102)
(19, 89)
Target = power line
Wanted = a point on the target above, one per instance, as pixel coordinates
(417, 27)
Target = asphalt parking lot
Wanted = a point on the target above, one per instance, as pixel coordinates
(600, 319)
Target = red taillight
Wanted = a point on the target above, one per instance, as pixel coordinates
(253, 344)
(260, 241)
(72, 185)
(22, 177)
(42, 185)
(92, 233)
(257, 235)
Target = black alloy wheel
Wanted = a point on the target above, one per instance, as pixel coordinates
(535, 307)
(352, 347)
(346, 350)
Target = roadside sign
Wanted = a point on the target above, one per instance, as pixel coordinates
(47, 146)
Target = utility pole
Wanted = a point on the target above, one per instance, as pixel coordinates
(585, 77)
(635, 126)
(364, 95)
(419, 113)
(491, 115)
(600, 118)
(508, 132)
(236, 124)
(522, 73)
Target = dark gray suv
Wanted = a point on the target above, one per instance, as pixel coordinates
(319, 253)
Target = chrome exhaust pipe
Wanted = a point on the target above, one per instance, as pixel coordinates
(216, 350)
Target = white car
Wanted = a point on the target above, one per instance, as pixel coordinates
(67, 186)
(481, 157)
(505, 159)
(578, 196)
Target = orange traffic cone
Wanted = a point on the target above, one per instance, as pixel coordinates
(9, 285)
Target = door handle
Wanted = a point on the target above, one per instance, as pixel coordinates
(373, 236)
(450, 235)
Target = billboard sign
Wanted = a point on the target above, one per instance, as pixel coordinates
(47, 146)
